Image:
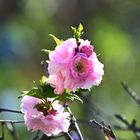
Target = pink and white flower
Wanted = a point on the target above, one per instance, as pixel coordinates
(71, 66)
(47, 116)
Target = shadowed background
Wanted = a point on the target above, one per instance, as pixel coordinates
(113, 28)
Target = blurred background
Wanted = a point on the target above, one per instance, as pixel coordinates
(113, 26)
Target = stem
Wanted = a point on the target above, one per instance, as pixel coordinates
(2, 129)
(12, 130)
(107, 129)
(131, 126)
(11, 121)
(69, 136)
(74, 123)
(10, 110)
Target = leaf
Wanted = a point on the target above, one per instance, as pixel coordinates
(41, 90)
(23, 93)
(43, 80)
(47, 91)
(80, 27)
(69, 96)
(33, 92)
(46, 51)
(77, 33)
(57, 41)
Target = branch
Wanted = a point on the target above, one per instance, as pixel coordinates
(69, 136)
(2, 131)
(10, 110)
(74, 124)
(131, 126)
(12, 130)
(107, 130)
(131, 93)
(11, 121)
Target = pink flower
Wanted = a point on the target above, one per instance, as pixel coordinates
(64, 52)
(71, 66)
(45, 115)
(53, 80)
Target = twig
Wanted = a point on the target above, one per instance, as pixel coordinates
(131, 93)
(2, 131)
(122, 128)
(74, 124)
(107, 129)
(10, 110)
(69, 136)
(12, 130)
(131, 126)
(11, 121)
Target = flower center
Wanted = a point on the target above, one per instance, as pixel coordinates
(79, 67)
(46, 108)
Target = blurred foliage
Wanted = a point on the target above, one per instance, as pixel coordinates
(112, 26)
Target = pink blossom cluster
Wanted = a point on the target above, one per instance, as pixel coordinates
(74, 65)
(48, 117)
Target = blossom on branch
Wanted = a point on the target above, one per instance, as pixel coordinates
(74, 65)
(46, 115)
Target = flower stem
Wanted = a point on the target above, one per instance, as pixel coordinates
(69, 136)
(75, 125)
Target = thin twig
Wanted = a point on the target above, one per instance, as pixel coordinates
(11, 121)
(131, 126)
(107, 129)
(122, 128)
(69, 136)
(131, 93)
(12, 130)
(2, 131)
(10, 110)
(74, 124)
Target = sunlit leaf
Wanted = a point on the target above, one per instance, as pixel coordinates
(77, 33)
(57, 41)
(80, 27)
(46, 51)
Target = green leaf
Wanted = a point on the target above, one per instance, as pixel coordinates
(23, 93)
(47, 91)
(77, 33)
(80, 27)
(46, 51)
(57, 41)
(33, 92)
(69, 96)
(43, 90)
(40, 90)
